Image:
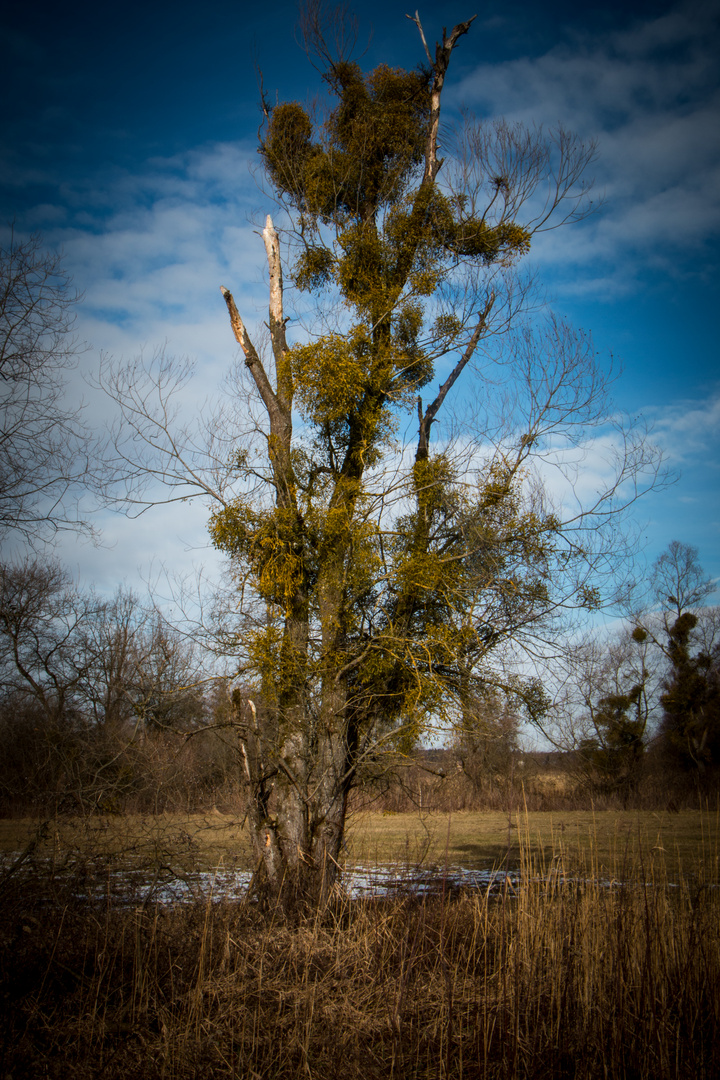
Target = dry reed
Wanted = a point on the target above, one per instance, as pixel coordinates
(561, 975)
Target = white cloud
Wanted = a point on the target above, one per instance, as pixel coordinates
(149, 252)
(649, 94)
(135, 551)
(690, 430)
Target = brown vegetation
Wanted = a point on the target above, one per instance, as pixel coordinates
(48, 770)
(434, 781)
(557, 976)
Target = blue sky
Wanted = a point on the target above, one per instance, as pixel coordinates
(128, 139)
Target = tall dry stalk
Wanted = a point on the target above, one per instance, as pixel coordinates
(565, 973)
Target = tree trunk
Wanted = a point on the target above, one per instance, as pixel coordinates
(295, 806)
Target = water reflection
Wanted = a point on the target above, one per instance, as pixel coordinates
(381, 882)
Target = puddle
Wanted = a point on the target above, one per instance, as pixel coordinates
(381, 882)
(166, 887)
(386, 881)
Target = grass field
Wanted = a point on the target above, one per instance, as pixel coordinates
(609, 841)
(605, 843)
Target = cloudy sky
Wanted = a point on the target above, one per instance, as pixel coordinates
(128, 139)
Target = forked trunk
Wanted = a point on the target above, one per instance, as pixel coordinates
(296, 805)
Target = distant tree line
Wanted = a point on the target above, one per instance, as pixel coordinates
(103, 705)
(647, 701)
(635, 715)
(107, 708)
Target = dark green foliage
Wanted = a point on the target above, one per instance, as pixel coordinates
(363, 163)
(690, 726)
(615, 754)
(313, 268)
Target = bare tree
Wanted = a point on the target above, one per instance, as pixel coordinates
(651, 685)
(42, 433)
(616, 701)
(677, 580)
(143, 674)
(486, 739)
(97, 697)
(110, 643)
(684, 631)
(43, 620)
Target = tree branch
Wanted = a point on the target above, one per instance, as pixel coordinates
(427, 419)
(442, 60)
(252, 360)
(277, 319)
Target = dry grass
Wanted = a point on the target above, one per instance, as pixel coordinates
(683, 843)
(178, 842)
(562, 976)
